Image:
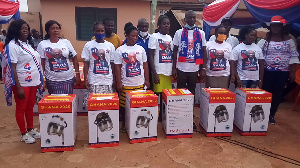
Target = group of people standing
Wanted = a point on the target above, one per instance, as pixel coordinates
(144, 61)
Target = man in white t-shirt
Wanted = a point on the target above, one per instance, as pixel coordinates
(233, 41)
(187, 68)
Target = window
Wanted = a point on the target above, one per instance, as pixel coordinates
(87, 16)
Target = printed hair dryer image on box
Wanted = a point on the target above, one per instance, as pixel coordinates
(144, 118)
(103, 122)
(221, 115)
(257, 114)
(56, 127)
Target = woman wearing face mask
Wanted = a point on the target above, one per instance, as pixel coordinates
(281, 57)
(160, 57)
(98, 56)
(249, 59)
(218, 57)
(55, 53)
(131, 68)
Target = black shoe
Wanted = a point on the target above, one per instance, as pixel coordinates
(272, 120)
(194, 126)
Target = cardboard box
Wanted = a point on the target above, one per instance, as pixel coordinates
(103, 117)
(252, 109)
(217, 111)
(141, 115)
(177, 113)
(57, 115)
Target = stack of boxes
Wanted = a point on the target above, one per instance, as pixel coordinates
(252, 111)
(57, 114)
(103, 118)
(141, 115)
(217, 111)
(248, 109)
(177, 113)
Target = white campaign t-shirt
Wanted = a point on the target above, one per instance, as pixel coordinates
(233, 41)
(132, 59)
(163, 53)
(247, 57)
(57, 63)
(27, 70)
(100, 55)
(279, 55)
(187, 66)
(218, 56)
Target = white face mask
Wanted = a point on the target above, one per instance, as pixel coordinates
(143, 34)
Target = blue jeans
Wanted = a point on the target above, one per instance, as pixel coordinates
(249, 83)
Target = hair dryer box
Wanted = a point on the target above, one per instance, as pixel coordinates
(57, 115)
(177, 113)
(141, 115)
(217, 111)
(103, 116)
(252, 109)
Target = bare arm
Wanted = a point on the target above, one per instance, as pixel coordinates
(261, 72)
(43, 63)
(118, 77)
(204, 54)
(85, 73)
(76, 67)
(232, 71)
(20, 90)
(174, 72)
(151, 64)
(203, 66)
(113, 73)
(146, 74)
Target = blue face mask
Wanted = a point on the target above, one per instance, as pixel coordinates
(99, 36)
(189, 27)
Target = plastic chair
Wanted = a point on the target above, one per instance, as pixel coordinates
(297, 80)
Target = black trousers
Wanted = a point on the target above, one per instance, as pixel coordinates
(187, 80)
(274, 82)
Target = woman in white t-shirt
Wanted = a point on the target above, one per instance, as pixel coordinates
(98, 56)
(22, 76)
(218, 56)
(131, 68)
(55, 53)
(160, 56)
(249, 60)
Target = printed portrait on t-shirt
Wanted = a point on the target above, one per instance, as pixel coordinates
(132, 67)
(190, 57)
(100, 63)
(57, 61)
(217, 60)
(249, 61)
(165, 52)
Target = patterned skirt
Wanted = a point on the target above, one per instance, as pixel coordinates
(60, 87)
(96, 89)
(122, 95)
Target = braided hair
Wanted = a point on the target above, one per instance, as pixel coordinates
(96, 24)
(47, 28)
(129, 28)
